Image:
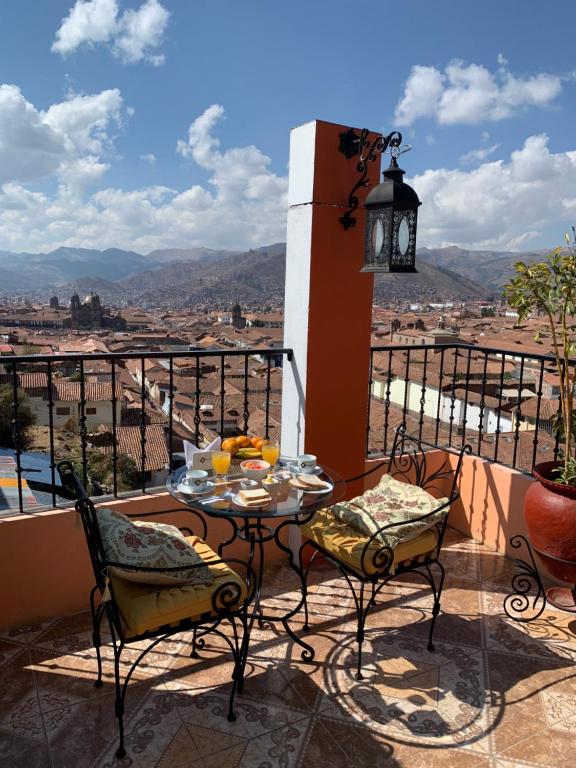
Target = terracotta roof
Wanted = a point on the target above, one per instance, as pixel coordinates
(69, 391)
(129, 442)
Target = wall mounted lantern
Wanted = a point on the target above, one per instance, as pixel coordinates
(391, 206)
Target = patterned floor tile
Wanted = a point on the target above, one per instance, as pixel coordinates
(494, 694)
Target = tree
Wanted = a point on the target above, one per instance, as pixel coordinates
(100, 468)
(550, 287)
(25, 418)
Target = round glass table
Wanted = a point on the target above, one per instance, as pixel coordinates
(288, 508)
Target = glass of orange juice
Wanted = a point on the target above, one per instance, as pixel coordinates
(221, 462)
(270, 452)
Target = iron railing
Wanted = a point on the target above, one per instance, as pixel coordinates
(504, 403)
(218, 398)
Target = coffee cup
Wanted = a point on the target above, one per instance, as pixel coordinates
(196, 479)
(306, 462)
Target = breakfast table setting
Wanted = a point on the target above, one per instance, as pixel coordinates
(264, 498)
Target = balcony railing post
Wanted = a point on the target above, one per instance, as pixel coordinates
(82, 425)
(51, 430)
(267, 404)
(143, 423)
(387, 400)
(537, 421)
(518, 418)
(17, 435)
(114, 429)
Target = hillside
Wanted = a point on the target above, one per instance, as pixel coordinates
(491, 269)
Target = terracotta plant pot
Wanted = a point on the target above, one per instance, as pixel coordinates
(550, 514)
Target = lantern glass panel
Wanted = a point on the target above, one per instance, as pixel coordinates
(403, 237)
(403, 254)
(377, 237)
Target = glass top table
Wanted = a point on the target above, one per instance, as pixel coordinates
(288, 509)
(220, 500)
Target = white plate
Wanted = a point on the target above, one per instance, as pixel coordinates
(188, 491)
(296, 470)
(238, 502)
(329, 487)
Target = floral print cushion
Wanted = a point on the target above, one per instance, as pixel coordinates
(149, 545)
(391, 501)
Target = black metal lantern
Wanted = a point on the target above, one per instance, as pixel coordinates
(391, 220)
(391, 206)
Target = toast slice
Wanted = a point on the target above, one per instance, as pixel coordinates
(254, 497)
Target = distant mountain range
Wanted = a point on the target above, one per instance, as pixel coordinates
(490, 269)
(184, 277)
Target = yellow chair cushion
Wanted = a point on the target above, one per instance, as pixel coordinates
(145, 607)
(346, 544)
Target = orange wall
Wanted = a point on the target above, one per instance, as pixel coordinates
(44, 566)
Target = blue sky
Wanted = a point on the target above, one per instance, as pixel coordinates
(98, 98)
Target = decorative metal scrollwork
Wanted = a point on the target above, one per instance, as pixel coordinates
(351, 145)
(519, 602)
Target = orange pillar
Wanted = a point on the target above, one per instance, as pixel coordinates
(328, 304)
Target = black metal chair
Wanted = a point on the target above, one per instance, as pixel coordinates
(369, 560)
(227, 598)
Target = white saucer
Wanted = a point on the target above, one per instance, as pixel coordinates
(296, 470)
(238, 502)
(188, 491)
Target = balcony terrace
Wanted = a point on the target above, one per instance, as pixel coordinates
(494, 693)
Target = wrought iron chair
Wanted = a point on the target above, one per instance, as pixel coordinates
(227, 597)
(370, 560)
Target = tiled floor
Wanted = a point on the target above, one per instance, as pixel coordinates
(495, 693)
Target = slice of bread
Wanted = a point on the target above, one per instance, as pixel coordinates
(311, 481)
(254, 496)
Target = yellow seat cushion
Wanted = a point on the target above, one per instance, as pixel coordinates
(145, 607)
(346, 544)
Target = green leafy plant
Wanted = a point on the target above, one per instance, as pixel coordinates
(550, 287)
(26, 419)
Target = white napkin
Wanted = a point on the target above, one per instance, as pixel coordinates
(190, 449)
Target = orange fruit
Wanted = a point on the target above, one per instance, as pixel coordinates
(254, 440)
(258, 443)
(230, 444)
(242, 441)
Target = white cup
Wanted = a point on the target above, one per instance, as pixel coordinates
(196, 478)
(306, 462)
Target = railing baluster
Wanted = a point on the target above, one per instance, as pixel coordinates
(537, 421)
(114, 430)
(406, 386)
(51, 430)
(143, 423)
(267, 423)
(170, 412)
(246, 412)
(197, 408)
(222, 393)
(500, 393)
(453, 396)
(518, 414)
(482, 403)
(439, 403)
(82, 424)
(559, 418)
(466, 394)
(16, 435)
(370, 384)
(423, 395)
(387, 401)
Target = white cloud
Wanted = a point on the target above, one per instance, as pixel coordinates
(478, 155)
(470, 93)
(148, 158)
(134, 35)
(500, 204)
(244, 205)
(67, 140)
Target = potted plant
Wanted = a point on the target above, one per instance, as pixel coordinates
(549, 287)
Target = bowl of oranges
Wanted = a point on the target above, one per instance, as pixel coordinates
(244, 447)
